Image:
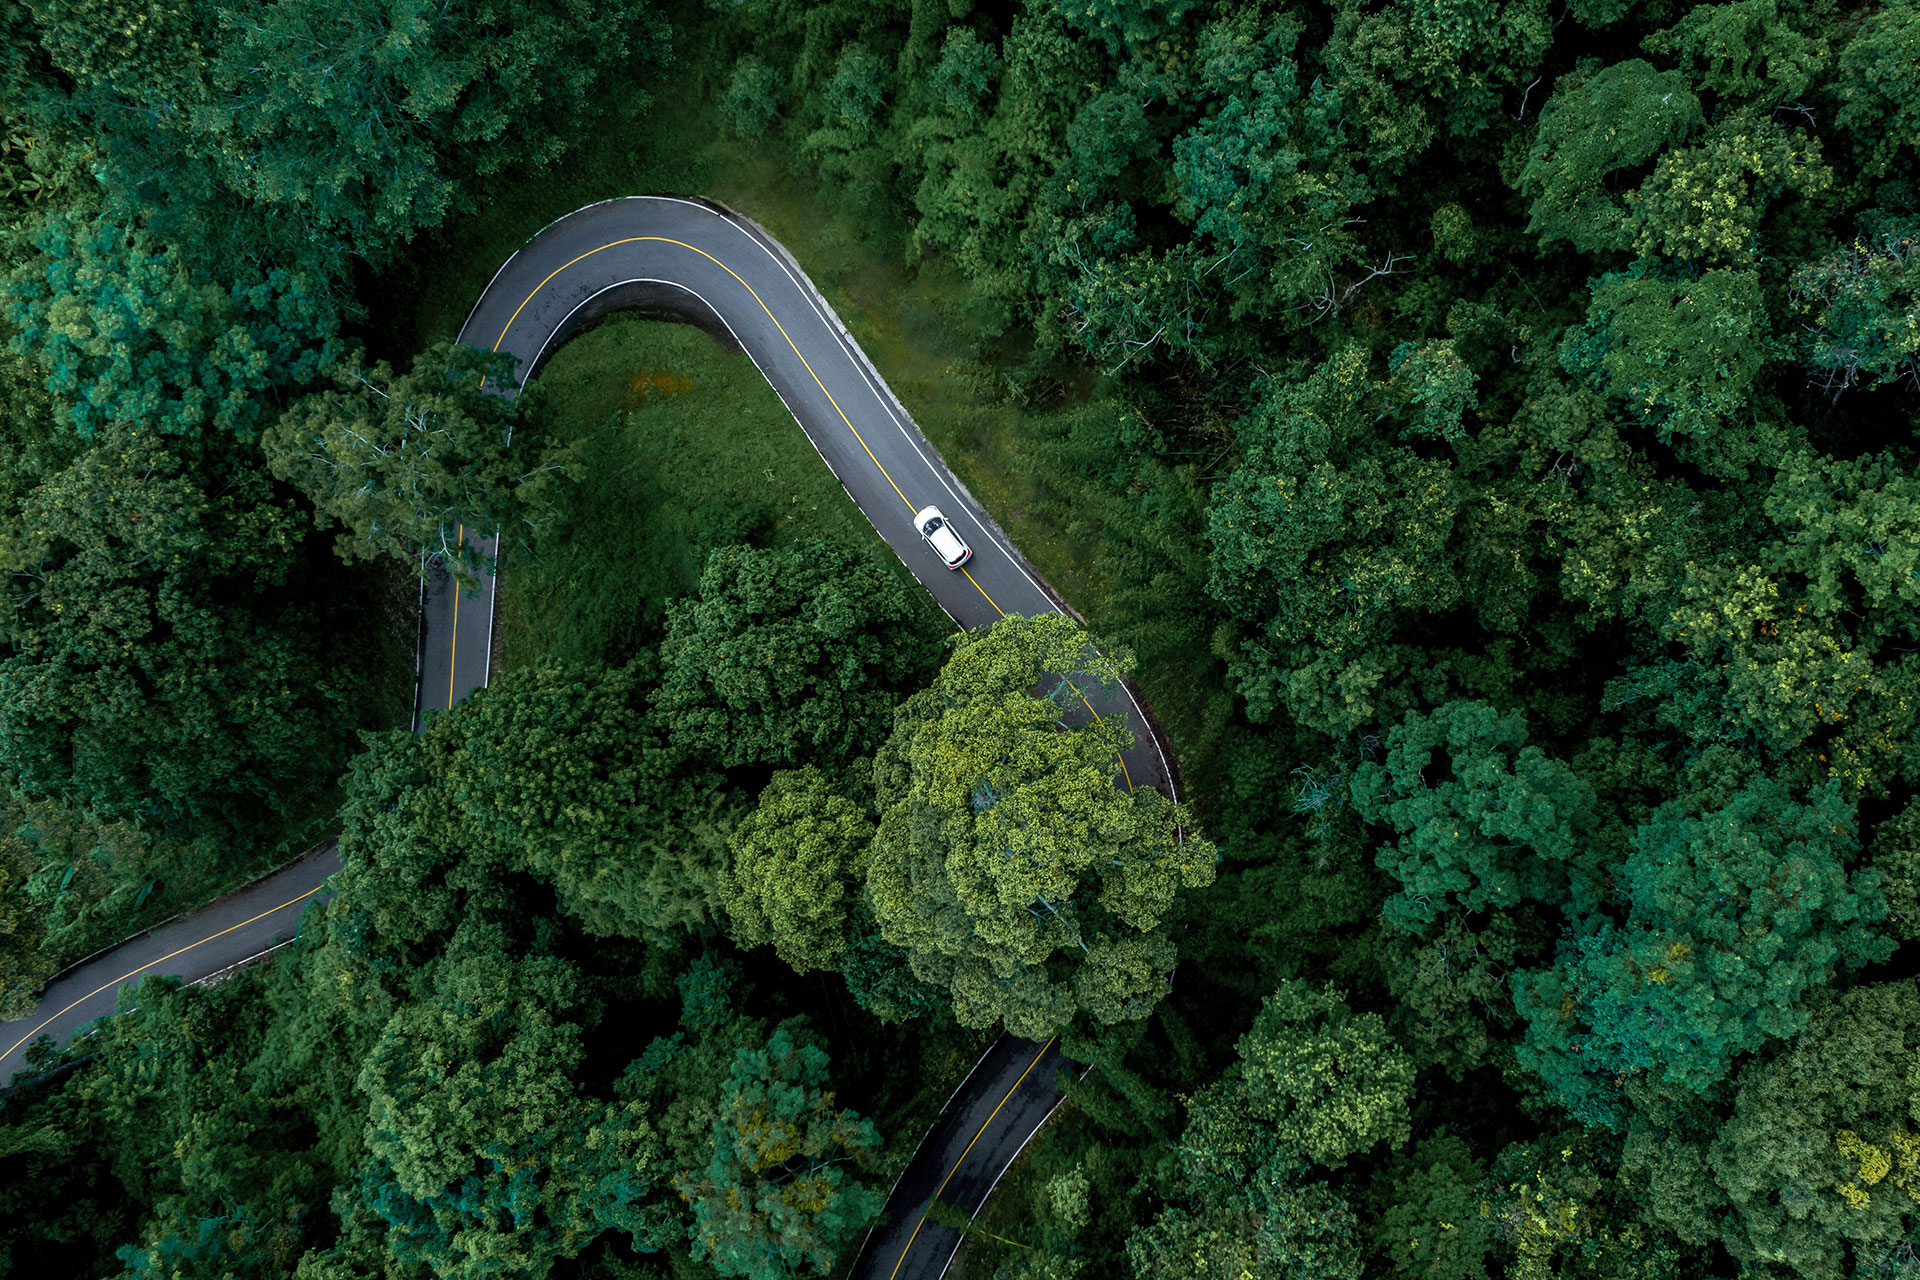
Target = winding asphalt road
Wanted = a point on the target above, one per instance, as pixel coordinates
(697, 261)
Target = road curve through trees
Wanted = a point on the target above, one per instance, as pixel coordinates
(696, 261)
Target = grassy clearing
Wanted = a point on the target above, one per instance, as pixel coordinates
(682, 447)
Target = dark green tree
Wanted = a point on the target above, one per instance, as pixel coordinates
(483, 1152)
(156, 663)
(1322, 535)
(565, 772)
(1595, 125)
(1270, 1230)
(1817, 1165)
(788, 655)
(330, 130)
(420, 466)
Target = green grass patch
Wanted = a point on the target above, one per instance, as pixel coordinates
(680, 447)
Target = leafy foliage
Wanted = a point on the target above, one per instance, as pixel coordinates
(410, 463)
(788, 652)
(1489, 422)
(792, 861)
(1004, 844)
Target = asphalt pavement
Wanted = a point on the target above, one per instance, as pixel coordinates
(694, 260)
(239, 927)
(981, 1131)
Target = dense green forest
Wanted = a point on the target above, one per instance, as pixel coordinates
(1483, 427)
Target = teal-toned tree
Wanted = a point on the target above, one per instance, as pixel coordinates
(778, 1198)
(1266, 173)
(1499, 822)
(1736, 915)
(131, 329)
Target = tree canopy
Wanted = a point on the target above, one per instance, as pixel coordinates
(1008, 863)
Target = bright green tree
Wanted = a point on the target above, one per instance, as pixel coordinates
(792, 861)
(1703, 204)
(1330, 1082)
(1008, 864)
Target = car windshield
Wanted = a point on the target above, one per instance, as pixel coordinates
(930, 526)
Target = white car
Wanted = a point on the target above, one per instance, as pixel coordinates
(942, 537)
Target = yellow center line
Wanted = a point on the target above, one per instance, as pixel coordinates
(963, 1155)
(161, 960)
(983, 592)
(763, 306)
(454, 652)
